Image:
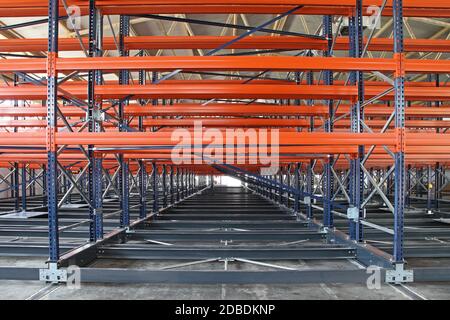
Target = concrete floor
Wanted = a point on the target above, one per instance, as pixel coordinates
(37, 290)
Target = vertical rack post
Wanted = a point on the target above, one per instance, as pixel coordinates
(399, 87)
(51, 129)
(155, 188)
(141, 163)
(124, 75)
(357, 114)
(164, 185)
(178, 185)
(328, 175)
(309, 169)
(171, 182)
(297, 169)
(94, 108)
(24, 187)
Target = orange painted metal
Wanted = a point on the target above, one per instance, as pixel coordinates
(211, 42)
(430, 8)
(217, 91)
(233, 122)
(236, 110)
(225, 63)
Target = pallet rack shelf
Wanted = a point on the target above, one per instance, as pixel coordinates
(100, 128)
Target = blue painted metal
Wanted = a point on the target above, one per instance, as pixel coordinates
(24, 188)
(44, 183)
(178, 185)
(98, 170)
(408, 187)
(429, 186)
(184, 183)
(52, 101)
(288, 182)
(280, 186)
(399, 86)
(155, 187)
(297, 183)
(95, 164)
(328, 180)
(142, 165)
(357, 114)
(164, 185)
(124, 76)
(438, 181)
(15, 188)
(171, 185)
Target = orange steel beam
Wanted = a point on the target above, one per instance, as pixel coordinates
(291, 150)
(224, 109)
(167, 138)
(211, 42)
(430, 8)
(226, 63)
(256, 81)
(233, 122)
(217, 91)
(322, 7)
(164, 91)
(436, 4)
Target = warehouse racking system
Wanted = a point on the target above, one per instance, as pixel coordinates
(363, 142)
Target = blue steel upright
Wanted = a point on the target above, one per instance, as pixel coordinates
(155, 188)
(399, 86)
(357, 114)
(95, 183)
(142, 164)
(309, 169)
(124, 76)
(52, 100)
(328, 180)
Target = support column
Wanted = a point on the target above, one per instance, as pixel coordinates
(172, 196)
(408, 187)
(437, 168)
(51, 129)
(44, 184)
(429, 185)
(164, 185)
(178, 185)
(328, 180)
(141, 163)
(24, 187)
(399, 86)
(309, 170)
(280, 189)
(143, 188)
(93, 116)
(357, 114)
(155, 188)
(16, 187)
(124, 166)
(297, 168)
(288, 182)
